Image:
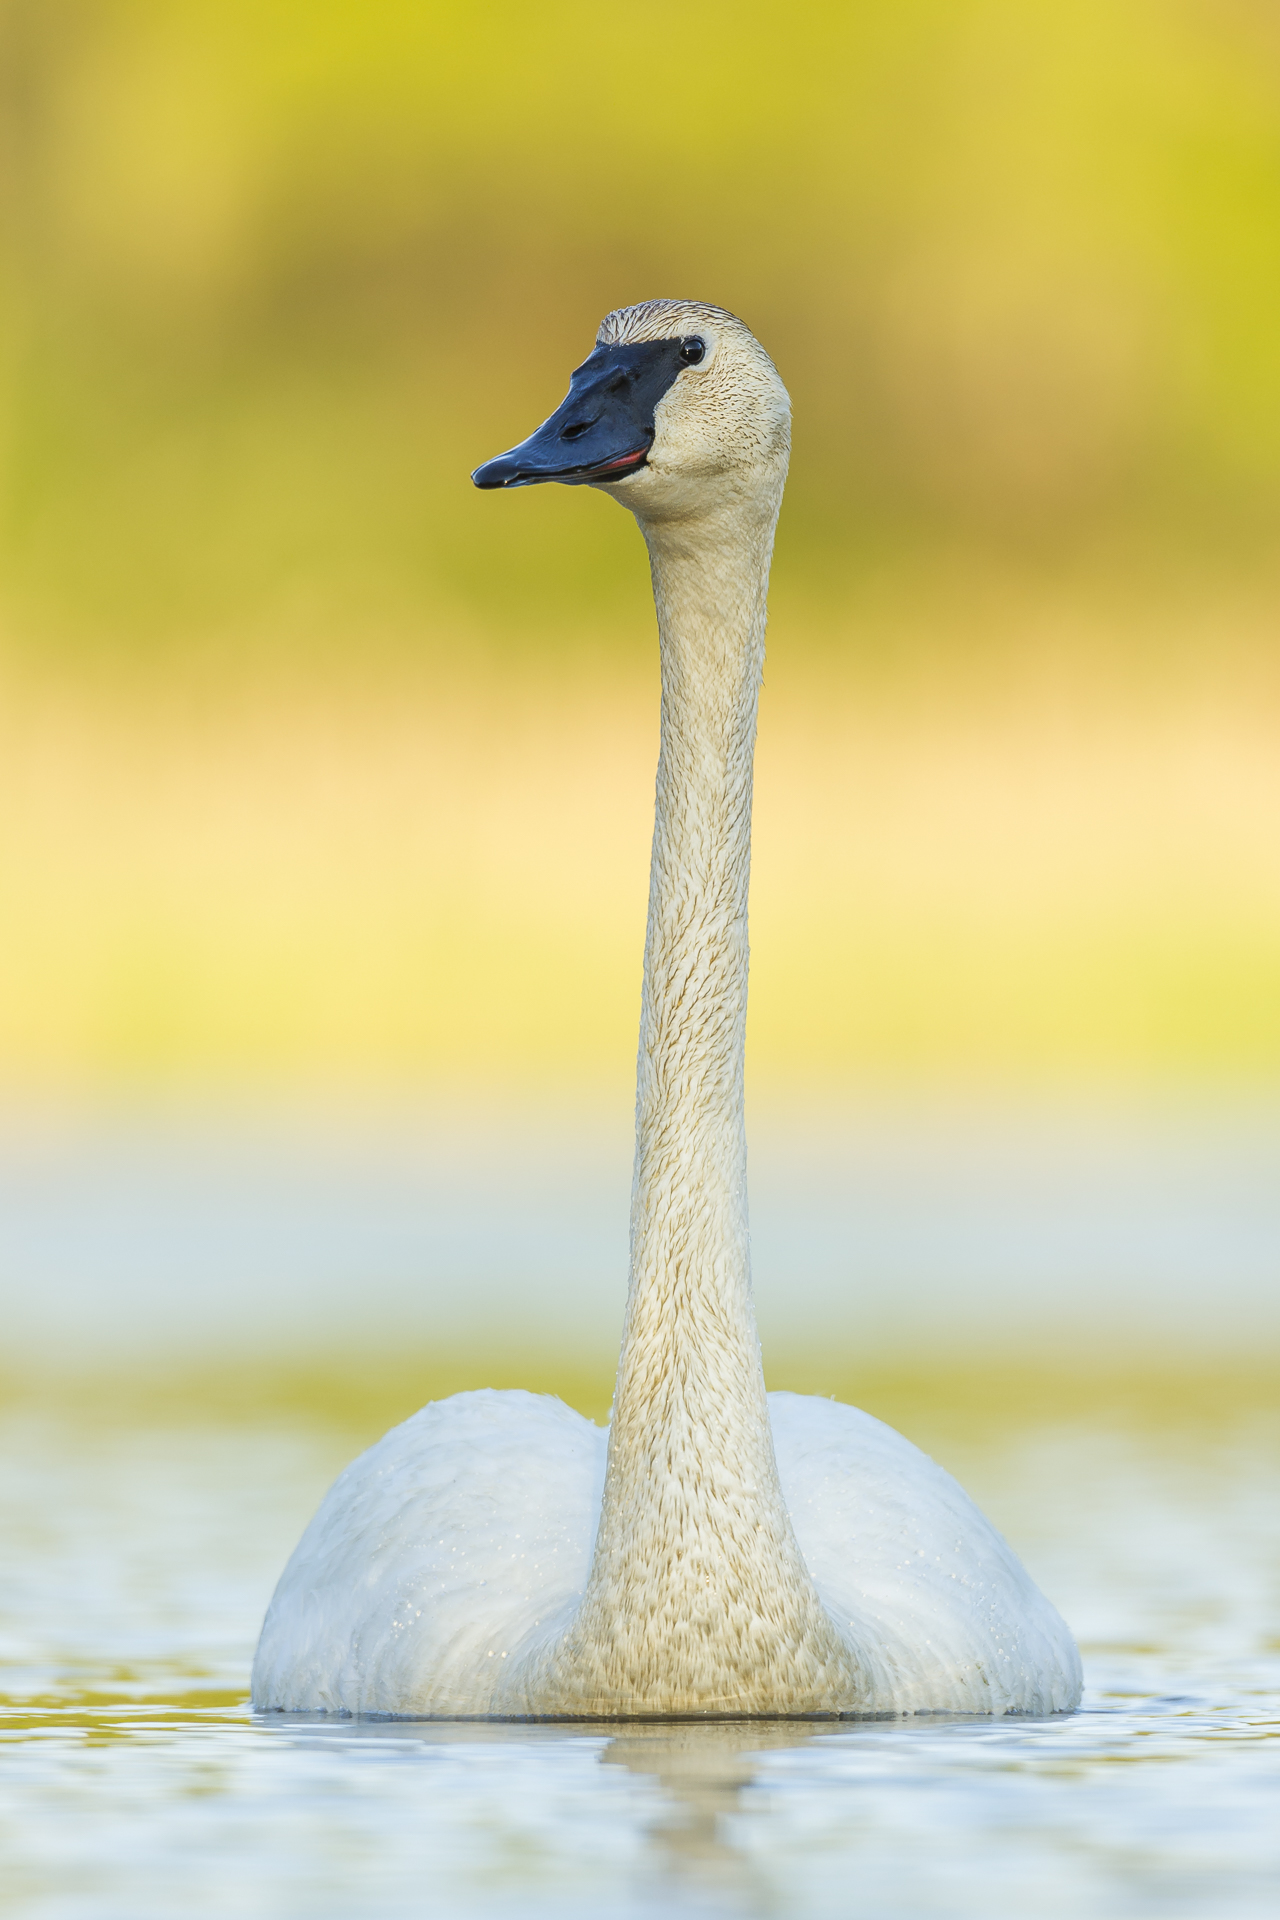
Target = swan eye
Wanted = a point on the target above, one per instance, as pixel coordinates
(692, 350)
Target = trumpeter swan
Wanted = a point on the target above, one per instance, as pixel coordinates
(717, 1552)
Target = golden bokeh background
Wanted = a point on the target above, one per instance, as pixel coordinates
(318, 768)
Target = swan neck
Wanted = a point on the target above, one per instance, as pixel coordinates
(690, 1378)
(690, 1257)
(698, 1599)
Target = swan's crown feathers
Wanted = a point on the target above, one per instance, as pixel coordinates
(662, 320)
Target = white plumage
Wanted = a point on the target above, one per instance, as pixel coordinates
(457, 1549)
(435, 1558)
(715, 1552)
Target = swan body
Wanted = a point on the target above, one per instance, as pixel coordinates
(717, 1551)
(446, 1562)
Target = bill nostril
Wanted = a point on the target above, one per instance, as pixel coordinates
(576, 431)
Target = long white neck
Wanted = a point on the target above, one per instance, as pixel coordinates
(698, 1599)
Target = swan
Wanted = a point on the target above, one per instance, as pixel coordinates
(718, 1552)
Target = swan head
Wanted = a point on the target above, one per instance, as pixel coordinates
(677, 412)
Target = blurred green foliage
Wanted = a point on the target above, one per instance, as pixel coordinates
(276, 275)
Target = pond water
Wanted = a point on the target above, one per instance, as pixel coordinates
(135, 1781)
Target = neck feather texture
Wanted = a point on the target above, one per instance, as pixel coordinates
(698, 1599)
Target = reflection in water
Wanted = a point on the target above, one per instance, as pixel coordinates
(704, 1772)
(697, 1836)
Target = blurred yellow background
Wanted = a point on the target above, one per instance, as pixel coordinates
(319, 768)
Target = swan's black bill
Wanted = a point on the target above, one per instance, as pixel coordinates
(604, 429)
